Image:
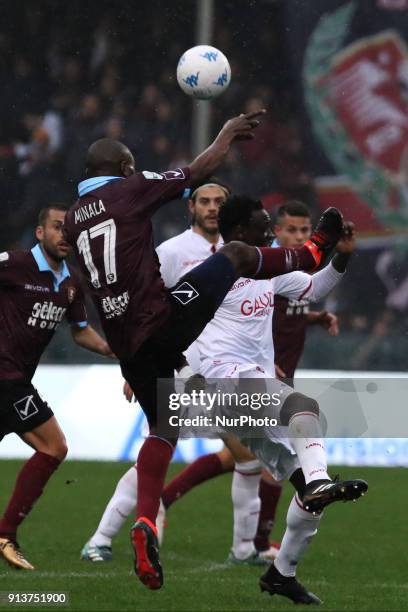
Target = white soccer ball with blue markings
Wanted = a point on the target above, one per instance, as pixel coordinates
(203, 72)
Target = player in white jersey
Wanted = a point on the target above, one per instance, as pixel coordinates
(187, 250)
(237, 344)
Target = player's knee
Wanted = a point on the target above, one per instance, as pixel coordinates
(244, 504)
(171, 436)
(58, 449)
(61, 451)
(245, 471)
(226, 459)
(267, 477)
(295, 403)
(254, 505)
(243, 257)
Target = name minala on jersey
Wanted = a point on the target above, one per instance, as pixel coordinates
(88, 211)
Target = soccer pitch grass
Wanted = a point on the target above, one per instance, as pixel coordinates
(358, 560)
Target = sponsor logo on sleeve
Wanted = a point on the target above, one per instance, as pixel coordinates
(25, 407)
(174, 175)
(152, 175)
(185, 293)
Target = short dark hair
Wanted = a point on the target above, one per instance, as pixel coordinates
(212, 180)
(44, 212)
(237, 210)
(293, 208)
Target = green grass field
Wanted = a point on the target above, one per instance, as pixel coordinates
(357, 562)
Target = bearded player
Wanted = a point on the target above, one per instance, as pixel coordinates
(38, 290)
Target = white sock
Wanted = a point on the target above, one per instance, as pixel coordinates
(118, 509)
(245, 498)
(307, 439)
(301, 526)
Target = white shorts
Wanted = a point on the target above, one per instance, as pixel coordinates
(272, 448)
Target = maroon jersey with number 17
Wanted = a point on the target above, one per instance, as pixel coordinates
(111, 232)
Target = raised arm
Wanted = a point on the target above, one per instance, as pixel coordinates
(325, 280)
(344, 247)
(299, 285)
(237, 128)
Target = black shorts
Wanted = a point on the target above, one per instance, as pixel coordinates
(194, 301)
(21, 408)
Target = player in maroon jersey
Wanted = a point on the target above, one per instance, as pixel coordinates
(38, 290)
(147, 326)
(293, 228)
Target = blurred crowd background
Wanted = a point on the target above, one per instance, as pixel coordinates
(74, 72)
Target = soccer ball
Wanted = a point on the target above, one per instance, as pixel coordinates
(203, 72)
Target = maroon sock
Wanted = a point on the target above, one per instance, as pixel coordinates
(30, 483)
(270, 494)
(152, 464)
(276, 261)
(199, 471)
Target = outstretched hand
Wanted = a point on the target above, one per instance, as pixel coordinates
(241, 127)
(329, 321)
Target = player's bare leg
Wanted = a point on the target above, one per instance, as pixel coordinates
(49, 443)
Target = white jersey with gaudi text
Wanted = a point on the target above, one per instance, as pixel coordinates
(241, 330)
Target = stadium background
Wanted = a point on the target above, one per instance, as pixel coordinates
(74, 72)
